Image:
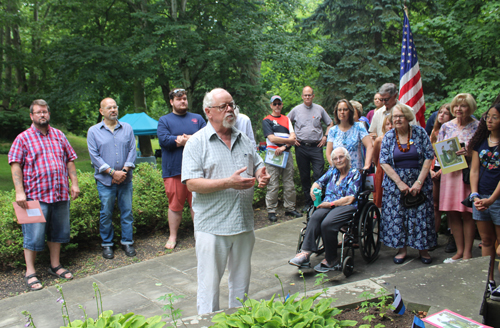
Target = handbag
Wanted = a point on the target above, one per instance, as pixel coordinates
(467, 202)
(409, 200)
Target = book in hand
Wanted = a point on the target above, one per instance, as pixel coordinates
(33, 214)
(279, 161)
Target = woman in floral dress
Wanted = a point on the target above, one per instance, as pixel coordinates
(406, 156)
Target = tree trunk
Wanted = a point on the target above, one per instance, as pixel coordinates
(140, 106)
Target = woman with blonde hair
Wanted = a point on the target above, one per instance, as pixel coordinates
(453, 189)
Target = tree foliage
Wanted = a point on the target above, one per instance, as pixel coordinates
(362, 49)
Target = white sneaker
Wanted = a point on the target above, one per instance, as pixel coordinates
(450, 260)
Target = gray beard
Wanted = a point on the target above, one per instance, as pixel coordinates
(229, 125)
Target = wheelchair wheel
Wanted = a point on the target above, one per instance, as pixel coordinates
(348, 266)
(369, 232)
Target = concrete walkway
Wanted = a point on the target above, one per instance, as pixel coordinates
(136, 288)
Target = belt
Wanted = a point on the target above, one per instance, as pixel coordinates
(309, 144)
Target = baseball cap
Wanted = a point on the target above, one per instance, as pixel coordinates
(273, 98)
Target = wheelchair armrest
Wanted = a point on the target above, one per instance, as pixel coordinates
(364, 194)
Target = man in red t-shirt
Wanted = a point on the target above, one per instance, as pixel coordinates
(280, 137)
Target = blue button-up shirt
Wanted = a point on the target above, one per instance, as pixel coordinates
(115, 149)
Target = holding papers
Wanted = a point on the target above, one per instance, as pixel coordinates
(279, 161)
(33, 214)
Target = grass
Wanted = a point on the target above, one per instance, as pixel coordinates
(82, 163)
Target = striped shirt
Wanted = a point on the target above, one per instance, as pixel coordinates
(225, 212)
(44, 160)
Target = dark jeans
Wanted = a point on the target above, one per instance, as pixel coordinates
(327, 222)
(307, 156)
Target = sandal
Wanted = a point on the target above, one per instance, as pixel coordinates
(53, 271)
(30, 284)
(170, 244)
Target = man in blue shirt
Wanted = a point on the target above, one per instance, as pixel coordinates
(174, 130)
(112, 151)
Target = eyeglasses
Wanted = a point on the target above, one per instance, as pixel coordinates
(384, 99)
(223, 107)
(398, 117)
(307, 96)
(41, 113)
(111, 107)
(342, 109)
(336, 159)
(277, 104)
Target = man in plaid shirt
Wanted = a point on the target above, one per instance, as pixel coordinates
(41, 160)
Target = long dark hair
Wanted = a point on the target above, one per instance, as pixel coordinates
(482, 131)
(437, 125)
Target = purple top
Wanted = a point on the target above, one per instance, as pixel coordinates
(408, 160)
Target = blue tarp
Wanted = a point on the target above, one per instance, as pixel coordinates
(142, 124)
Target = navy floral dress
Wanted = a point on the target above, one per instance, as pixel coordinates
(402, 226)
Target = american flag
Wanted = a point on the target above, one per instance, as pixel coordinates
(410, 82)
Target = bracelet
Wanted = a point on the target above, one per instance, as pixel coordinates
(419, 182)
(332, 205)
(111, 172)
(473, 195)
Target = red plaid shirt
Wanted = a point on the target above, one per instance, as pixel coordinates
(44, 160)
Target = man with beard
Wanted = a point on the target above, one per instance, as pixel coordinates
(41, 160)
(112, 151)
(174, 130)
(220, 165)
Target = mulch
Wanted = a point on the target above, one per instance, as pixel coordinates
(87, 260)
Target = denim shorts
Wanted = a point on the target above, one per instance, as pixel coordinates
(492, 213)
(56, 227)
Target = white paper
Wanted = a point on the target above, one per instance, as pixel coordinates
(33, 212)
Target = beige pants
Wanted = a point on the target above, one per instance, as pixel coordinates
(213, 254)
(273, 186)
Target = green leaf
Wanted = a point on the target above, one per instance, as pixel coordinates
(307, 304)
(348, 323)
(263, 315)
(247, 319)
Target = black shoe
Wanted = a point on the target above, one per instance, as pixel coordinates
(107, 252)
(451, 247)
(294, 213)
(129, 250)
(272, 217)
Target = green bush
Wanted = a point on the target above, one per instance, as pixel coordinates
(150, 209)
(11, 237)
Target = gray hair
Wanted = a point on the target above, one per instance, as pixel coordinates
(388, 88)
(346, 154)
(209, 99)
(39, 102)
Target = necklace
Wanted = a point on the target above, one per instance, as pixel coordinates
(493, 142)
(407, 149)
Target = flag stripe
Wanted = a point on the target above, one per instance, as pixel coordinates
(410, 82)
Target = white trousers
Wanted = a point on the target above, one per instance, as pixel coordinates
(213, 253)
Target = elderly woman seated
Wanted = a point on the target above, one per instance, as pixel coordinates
(340, 203)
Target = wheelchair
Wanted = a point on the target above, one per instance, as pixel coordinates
(363, 229)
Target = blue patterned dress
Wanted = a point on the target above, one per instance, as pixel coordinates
(350, 140)
(402, 226)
